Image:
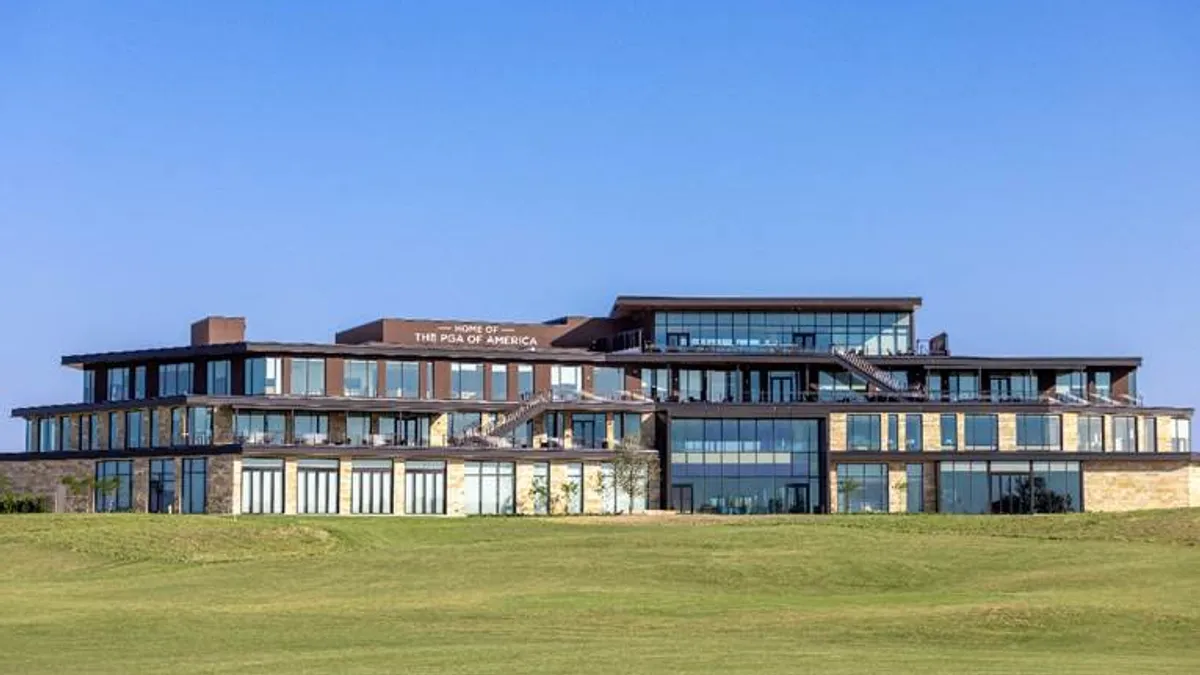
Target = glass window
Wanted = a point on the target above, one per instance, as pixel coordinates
(404, 430)
(254, 428)
(981, 432)
(963, 386)
(893, 422)
(608, 382)
(565, 382)
(139, 382)
(428, 379)
(572, 489)
(963, 487)
(524, 381)
(489, 488)
(118, 384)
(358, 378)
(155, 425)
(466, 381)
(949, 431)
(114, 485)
(218, 378)
(134, 437)
(459, 423)
(1091, 433)
(200, 426)
(263, 376)
(913, 433)
(31, 439)
(1102, 380)
(358, 429)
(115, 441)
(317, 486)
(311, 429)
(162, 486)
(47, 434)
(691, 385)
(656, 383)
(1125, 434)
(862, 488)
(1181, 435)
(498, 381)
(1071, 384)
(541, 490)
(914, 480)
(425, 487)
(177, 426)
(1039, 432)
(308, 377)
(195, 485)
(1151, 442)
(402, 379)
(371, 486)
(174, 379)
(588, 430)
(64, 433)
(863, 432)
(89, 386)
(262, 485)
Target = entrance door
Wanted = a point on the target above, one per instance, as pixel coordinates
(783, 388)
(1011, 493)
(796, 498)
(681, 498)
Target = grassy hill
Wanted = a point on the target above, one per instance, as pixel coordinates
(843, 594)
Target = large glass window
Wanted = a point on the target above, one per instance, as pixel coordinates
(876, 333)
(134, 437)
(358, 378)
(200, 426)
(403, 380)
(616, 498)
(862, 488)
(588, 430)
(425, 487)
(836, 386)
(195, 485)
(565, 382)
(656, 383)
(498, 381)
(89, 386)
(963, 386)
(981, 432)
(255, 428)
(1102, 383)
(1071, 384)
(489, 488)
(1010, 487)
(1039, 432)
(116, 440)
(1013, 387)
(963, 487)
(114, 485)
(263, 376)
(574, 498)
(89, 432)
(174, 379)
(691, 385)
(724, 386)
(1125, 434)
(218, 378)
(428, 387)
(317, 486)
(949, 431)
(308, 377)
(739, 466)
(47, 434)
(1151, 435)
(262, 485)
(311, 429)
(524, 381)
(608, 382)
(162, 486)
(460, 423)
(139, 382)
(118, 384)
(371, 486)
(64, 433)
(913, 432)
(862, 432)
(1181, 435)
(404, 430)
(893, 434)
(178, 429)
(1091, 433)
(542, 490)
(466, 381)
(358, 429)
(914, 485)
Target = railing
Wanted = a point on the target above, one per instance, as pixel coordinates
(369, 440)
(922, 348)
(859, 362)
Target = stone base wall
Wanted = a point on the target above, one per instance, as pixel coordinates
(44, 479)
(1132, 485)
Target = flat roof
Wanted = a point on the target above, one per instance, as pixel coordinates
(624, 304)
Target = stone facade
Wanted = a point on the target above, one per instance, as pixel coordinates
(1117, 485)
(837, 432)
(224, 482)
(44, 479)
(455, 480)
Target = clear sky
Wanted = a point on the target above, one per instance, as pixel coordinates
(1031, 169)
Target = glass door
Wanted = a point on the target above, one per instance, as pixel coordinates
(681, 498)
(805, 341)
(796, 498)
(1011, 493)
(783, 387)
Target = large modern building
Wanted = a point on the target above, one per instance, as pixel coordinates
(751, 405)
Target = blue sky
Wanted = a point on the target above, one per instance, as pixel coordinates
(1031, 169)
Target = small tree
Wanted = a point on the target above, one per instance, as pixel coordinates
(541, 495)
(847, 488)
(634, 467)
(569, 491)
(81, 487)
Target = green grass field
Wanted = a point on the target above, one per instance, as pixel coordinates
(841, 594)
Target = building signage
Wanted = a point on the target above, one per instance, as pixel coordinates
(476, 335)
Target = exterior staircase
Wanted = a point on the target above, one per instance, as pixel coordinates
(495, 433)
(857, 363)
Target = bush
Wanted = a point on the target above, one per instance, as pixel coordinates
(13, 503)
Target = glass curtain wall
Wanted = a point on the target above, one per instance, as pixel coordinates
(878, 333)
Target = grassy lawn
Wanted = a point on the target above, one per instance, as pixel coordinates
(841, 594)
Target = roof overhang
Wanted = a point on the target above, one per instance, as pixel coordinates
(628, 304)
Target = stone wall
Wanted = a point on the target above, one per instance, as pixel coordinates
(43, 478)
(1131, 485)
